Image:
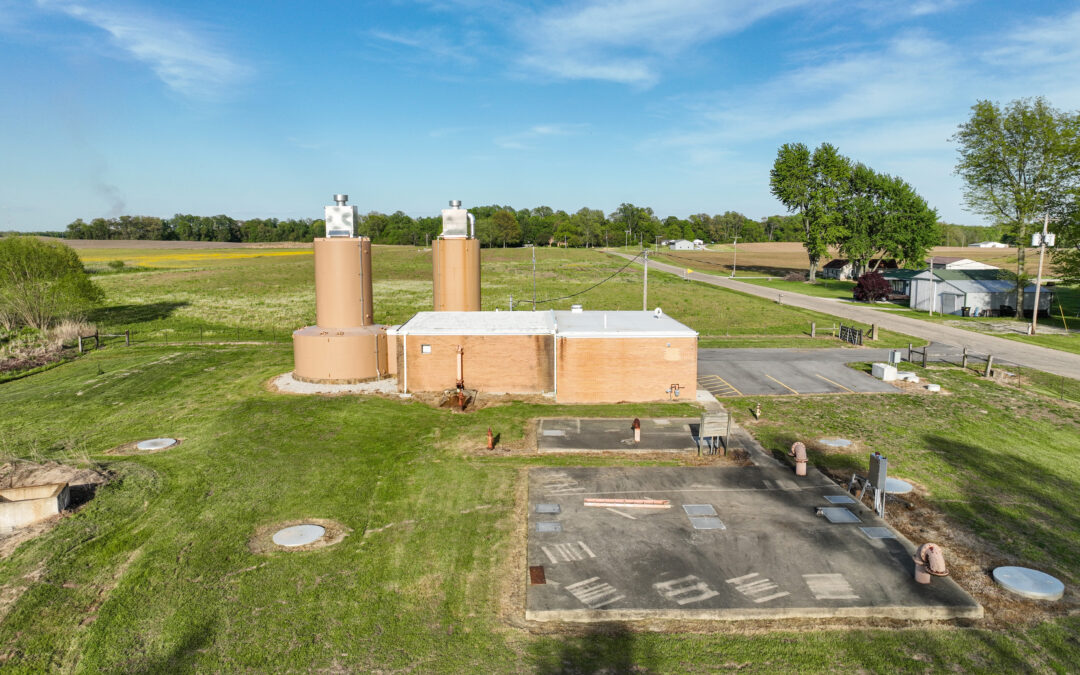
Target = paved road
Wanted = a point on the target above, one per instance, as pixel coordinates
(747, 372)
(1022, 354)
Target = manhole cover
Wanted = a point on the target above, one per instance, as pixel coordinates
(838, 514)
(156, 444)
(878, 532)
(897, 487)
(549, 527)
(299, 535)
(548, 508)
(1029, 583)
(839, 499)
(835, 442)
(699, 509)
(707, 523)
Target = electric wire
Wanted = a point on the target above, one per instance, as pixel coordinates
(573, 295)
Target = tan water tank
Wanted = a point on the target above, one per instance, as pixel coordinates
(455, 266)
(339, 355)
(343, 282)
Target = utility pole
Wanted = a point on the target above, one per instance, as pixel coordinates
(1044, 240)
(534, 275)
(645, 287)
(626, 239)
(734, 256)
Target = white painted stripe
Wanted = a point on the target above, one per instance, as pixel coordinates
(771, 597)
(586, 549)
(745, 576)
(624, 515)
(549, 555)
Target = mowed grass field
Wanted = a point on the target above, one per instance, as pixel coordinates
(155, 574)
(235, 294)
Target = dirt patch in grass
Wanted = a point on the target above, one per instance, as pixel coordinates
(83, 482)
(132, 448)
(262, 542)
(970, 559)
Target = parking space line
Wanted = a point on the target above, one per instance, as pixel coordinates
(780, 383)
(836, 384)
(718, 386)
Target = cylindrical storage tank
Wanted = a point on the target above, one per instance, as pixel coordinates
(339, 355)
(456, 272)
(343, 282)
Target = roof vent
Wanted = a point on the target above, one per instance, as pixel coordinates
(576, 309)
(658, 312)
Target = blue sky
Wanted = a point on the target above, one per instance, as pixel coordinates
(268, 108)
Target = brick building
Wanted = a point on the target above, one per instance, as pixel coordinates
(576, 356)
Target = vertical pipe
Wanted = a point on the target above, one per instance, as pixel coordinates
(645, 288)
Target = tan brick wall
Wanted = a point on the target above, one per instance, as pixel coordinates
(593, 370)
(391, 354)
(517, 364)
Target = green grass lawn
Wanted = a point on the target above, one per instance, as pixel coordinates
(264, 294)
(822, 288)
(154, 574)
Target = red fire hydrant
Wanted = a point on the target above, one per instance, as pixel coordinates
(491, 440)
(798, 451)
(636, 426)
(929, 560)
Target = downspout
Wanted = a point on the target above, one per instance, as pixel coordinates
(472, 226)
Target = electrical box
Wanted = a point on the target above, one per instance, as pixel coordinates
(340, 220)
(455, 221)
(878, 470)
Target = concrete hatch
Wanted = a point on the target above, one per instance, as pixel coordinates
(707, 523)
(699, 509)
(299, 535)
(1029, 583)
(839, 499)
(838, 514)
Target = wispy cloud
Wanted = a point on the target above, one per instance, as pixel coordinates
(179, 53)
(527, 140)
(429, 44)
(630, 42)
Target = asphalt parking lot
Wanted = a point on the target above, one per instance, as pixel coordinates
(779, 372)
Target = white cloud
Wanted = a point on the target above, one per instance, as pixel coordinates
(429, 43)
(178, 53)
(526, 140)
(630, 42)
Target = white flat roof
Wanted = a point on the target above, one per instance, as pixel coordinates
(619, 324)
(569, 324)
(479, 323)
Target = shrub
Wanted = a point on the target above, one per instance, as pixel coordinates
(795, 276)
(872, 287)
(116, 264)
(41, 283)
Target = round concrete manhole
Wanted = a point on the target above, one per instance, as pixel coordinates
(895, 486)
(835, 442)
(299, 535)
(1029, 583)
(155, 444)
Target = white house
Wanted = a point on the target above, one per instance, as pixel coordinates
(698, 245)
(682, 245)
(984, 292)
(988, 244)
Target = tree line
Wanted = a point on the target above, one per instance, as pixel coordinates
(495, 226)
(867, 215)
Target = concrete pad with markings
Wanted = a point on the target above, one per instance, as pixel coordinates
(764, 554)
(574, 434)
(780, 372)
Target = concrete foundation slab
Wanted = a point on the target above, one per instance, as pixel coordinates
(774, 559)
(615, 435)
(21, 506)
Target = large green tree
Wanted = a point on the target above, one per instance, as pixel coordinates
(1019, 162)
(793, 182)
(42, 282)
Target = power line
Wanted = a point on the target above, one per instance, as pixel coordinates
(693, 260)
(572, 295)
